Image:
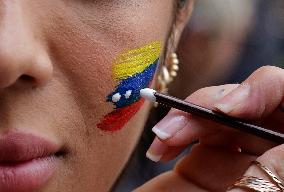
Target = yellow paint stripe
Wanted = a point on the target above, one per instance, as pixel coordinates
(135, 61)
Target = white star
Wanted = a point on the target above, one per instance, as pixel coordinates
(116, 97)
(128, 94)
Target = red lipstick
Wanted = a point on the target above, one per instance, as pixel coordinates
(26, 162)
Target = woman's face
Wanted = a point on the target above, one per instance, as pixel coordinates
(56, 73)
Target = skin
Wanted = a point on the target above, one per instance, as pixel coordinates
(216, 163)
(55, 73)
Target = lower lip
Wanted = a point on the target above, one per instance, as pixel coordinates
(27, 176)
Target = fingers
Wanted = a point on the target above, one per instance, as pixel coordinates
(156, 150)
(169, 181)
(180, 128)
(256, 97)
(160, 151)
(196, 173)
(213, 168)
(273, 160)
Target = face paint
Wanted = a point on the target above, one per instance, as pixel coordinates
(133, 70)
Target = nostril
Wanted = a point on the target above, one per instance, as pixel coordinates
(27, 78)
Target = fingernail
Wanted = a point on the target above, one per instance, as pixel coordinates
(153, 157)
(169, 126)
(233, 99)
(156, 150)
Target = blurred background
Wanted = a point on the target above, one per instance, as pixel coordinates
(224, 42)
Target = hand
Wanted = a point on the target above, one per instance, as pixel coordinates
(222, 154)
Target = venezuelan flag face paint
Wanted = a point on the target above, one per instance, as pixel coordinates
(132, 70)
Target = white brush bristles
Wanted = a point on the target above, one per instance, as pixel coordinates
(148, 94)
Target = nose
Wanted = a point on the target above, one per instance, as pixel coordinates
(23, 55)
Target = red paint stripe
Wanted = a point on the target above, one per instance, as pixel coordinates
(116, 120)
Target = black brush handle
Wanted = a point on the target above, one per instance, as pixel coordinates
(220, 118)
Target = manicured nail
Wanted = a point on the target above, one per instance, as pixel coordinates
(153, 157)
(169, 126)
(233, 99)
(156, 150)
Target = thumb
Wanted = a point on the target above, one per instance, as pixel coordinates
(256, 97)
(269, 169)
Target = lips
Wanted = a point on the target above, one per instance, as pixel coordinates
(26, 162)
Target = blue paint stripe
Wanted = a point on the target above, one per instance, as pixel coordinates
(134, 83)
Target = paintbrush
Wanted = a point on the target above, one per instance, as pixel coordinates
(154, 96)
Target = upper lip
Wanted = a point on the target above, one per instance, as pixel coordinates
(21, 147)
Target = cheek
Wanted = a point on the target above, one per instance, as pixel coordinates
(90, 60)
(132, 70)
